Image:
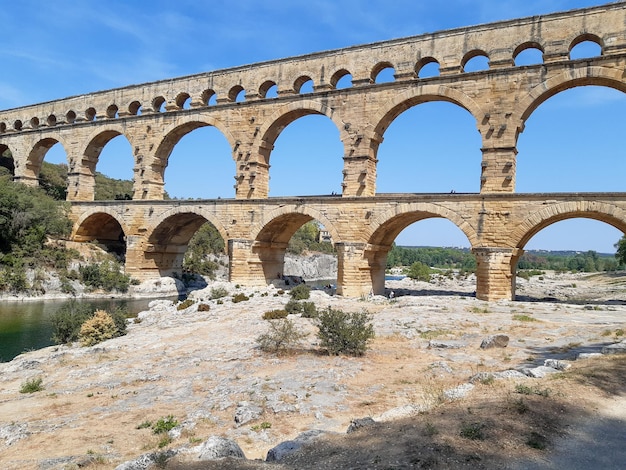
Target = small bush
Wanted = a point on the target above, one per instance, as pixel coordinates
(281, 337)
(218, 293)
(106, 276)
(309, 310)
(204, 307)
(293, 307)
(67, 321)
(347, 333)
(274, 314)
(240, 297)
(301, 292)
(473, 431)
(98, 328)
(164, 425)
(32, 386)
(419, 271)
(185, 304)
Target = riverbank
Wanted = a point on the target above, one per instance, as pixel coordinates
(205, 370)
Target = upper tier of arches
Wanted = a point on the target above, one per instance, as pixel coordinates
(554, 37)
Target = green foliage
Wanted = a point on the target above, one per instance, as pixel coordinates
(306, 239)
(444, 258)
(281, 337)
(589, 261)
(206, 241)
(620, 255)
(164, 425)
(240, 297)
(13, 279)
(473, 431)
(218, 292)
(53, 180)
(96, 329)
(300, 292)
(344, 333)
(27, 218)
(106, 275)
(66, 321)
(32, 385)
(419, 271)
(110, 188)
(307, 309)
(274, 314)
(185, 304)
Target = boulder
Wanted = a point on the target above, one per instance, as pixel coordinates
(360, 423)
(216, 447)
(276, 454)
(247, 412)
(495, 341)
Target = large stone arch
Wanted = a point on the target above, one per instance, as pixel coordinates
(570, 78)
(285, 115)
(168, 237)
(385, 227)
(36, 155)
(269, 238)
(103, 226)
(589, 209)
(422, 94)
(173, 134)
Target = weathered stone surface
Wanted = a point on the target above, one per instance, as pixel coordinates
(276, 454)
(495, 341)
(146, 461)
(557, 364)
(539, 372)
(617, 348)
(450, 344)
(458, 392)
(216, 447)
(505, 374)
(247, 412)
(359, 423)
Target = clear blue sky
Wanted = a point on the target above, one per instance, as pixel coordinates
(57, 49)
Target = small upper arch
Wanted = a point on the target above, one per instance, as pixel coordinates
(375, 75)
(299, 83)
(339, 76)
(427, 67)
(589, 39)
(265, 88)
(528, 52)
(475, 56)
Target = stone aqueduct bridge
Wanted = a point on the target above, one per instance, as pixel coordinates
(154, 116)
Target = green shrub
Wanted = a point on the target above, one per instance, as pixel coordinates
(344, 333)
(98, 328)
(309, 310)
(32, 385)
(164, 425)
(218, 292)
(473, 431)
(185, 304)
(274, 314)
(240, 297)
(281, 337)
(293, 307)
(419, 271)
(120, 317)
(66, 321)
(106, 276)
(301, 292)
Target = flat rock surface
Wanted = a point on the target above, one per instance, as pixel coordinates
(199, 367)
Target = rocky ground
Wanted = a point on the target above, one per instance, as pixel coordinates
(435, 397)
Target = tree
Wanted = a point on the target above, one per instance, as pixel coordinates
(621, 250)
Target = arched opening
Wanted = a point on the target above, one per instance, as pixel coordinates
(344, 82)
(427, 68)
(7, 166)
(104, 231)
(268, 89)
(383, 73)
(585, 48)
(295, 248)
(559, 253)
(528, 54)
(572, 142)
(475, 61)
(53, 174)
(114, 170)
(307, 158)
(431, 147)
(303, 85)
(200, 164)
(189, 247)
(419, 252)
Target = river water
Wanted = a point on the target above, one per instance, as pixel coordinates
(26, 326)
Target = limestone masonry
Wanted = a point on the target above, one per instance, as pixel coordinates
(363, 224)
